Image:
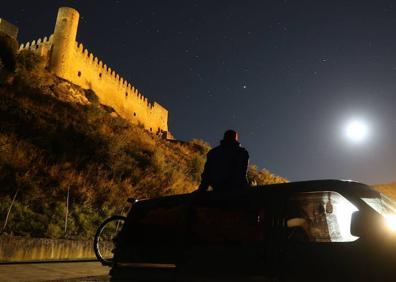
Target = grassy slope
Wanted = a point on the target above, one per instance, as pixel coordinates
(55, 137)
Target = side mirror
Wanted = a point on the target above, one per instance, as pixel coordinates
(359, 224)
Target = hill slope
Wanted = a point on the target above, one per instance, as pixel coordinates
(58, 143)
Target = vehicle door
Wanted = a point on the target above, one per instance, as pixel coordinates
(231, 231)
(316, 242)
(157, 229)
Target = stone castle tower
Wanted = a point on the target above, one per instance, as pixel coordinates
(71, 61)
(65, 34)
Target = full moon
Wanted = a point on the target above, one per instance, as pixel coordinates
(356, 131)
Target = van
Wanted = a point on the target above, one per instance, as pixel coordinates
(322, 230)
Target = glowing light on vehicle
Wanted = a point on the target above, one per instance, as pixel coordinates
(390, 221)
(343, 210)
(356, 131)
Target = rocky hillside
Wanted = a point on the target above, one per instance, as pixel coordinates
(64, 155)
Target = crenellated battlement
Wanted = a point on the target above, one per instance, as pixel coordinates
(70, 60)
(35, 44)
(105, 72)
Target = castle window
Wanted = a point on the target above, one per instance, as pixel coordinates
(79, 73)
(134, 114)
(100, 75)
(151, 129)
(126, 94)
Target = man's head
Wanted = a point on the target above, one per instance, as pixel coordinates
(230, 136)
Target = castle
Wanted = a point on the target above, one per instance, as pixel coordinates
(69, 60)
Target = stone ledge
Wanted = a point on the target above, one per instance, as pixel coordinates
(15, 248)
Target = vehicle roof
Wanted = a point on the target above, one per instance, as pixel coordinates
(341, 186)
(345, 187)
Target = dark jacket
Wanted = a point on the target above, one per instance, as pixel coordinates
(225, 167)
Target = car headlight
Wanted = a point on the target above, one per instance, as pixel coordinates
(390, 221)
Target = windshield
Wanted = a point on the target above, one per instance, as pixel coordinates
(382, 204)
(386, 207)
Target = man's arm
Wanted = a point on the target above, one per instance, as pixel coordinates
(205, 175)
(242, 168)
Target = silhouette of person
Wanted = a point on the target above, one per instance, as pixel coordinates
(226, 165)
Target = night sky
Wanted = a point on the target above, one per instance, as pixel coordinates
(287, 75)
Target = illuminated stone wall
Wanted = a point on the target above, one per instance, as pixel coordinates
(8, 28)
(17, 248)
(70, 60)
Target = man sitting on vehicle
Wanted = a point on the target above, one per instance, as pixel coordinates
(226, 165)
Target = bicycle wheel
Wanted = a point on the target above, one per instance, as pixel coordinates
(103, 240)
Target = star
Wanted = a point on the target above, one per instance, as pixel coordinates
(244, 86)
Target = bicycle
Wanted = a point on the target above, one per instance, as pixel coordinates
(103, 243)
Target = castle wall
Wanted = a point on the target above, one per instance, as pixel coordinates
(41, 47)
(8, 28)
(89, 72)
(71, 61)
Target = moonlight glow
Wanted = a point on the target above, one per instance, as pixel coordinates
(356, 131)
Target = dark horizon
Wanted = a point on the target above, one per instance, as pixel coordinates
(286, 75)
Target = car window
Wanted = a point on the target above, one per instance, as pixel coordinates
(323, 216)
(386, 207)
(382, 204)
